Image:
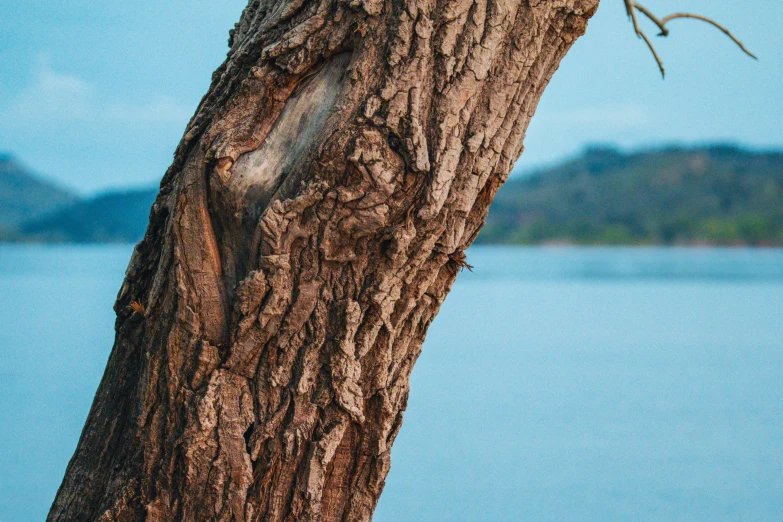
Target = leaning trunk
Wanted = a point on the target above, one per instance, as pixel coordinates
(313, 221)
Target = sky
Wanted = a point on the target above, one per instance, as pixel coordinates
(95, 94)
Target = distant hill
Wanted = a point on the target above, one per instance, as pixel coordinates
(24, 196)
(718, 195)
(112, 217)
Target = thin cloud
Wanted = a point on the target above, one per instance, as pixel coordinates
(54, 98)
(161, 108)
(611, 116)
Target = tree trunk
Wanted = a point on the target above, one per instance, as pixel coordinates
(310, 227)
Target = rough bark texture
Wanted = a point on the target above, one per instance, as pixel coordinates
(310, 227)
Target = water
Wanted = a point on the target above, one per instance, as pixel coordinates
(556, 384)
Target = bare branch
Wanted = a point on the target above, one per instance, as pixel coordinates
(660, 23)
(631, 7)
(714, 24)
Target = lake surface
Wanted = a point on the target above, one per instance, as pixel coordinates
(556, 384)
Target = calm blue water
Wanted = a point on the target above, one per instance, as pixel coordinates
(556, 384)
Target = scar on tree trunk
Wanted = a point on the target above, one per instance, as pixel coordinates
(304, 238)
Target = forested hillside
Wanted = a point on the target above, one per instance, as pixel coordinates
(23, 196)
(715, 195)
(112, 217)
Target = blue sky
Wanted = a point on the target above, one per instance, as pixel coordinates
(96, 94)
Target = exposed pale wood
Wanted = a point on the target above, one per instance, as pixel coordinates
(311, 225)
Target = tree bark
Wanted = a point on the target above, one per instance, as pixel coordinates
(304, 238)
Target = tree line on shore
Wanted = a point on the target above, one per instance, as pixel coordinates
(710, 195)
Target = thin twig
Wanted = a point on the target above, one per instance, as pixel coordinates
(655, 54)
(138, 308)
(630, 8)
